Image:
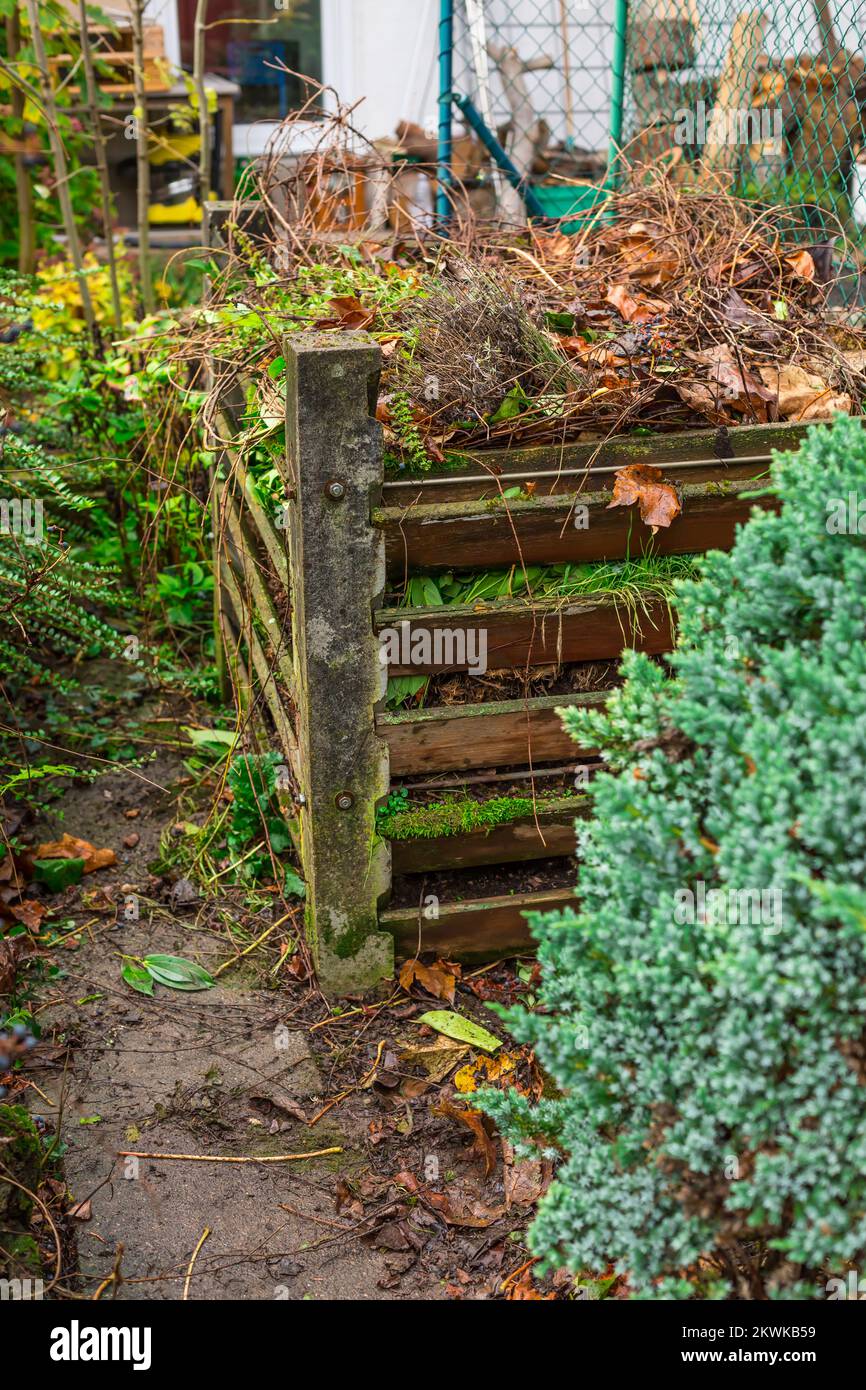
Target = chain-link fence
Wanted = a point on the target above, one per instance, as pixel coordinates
(769, 100)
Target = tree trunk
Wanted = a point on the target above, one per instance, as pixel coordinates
(830, 46)
(204, 125)
(23, 185)
(529, 134)
(101, 163)
(61, 169)
(141, 159)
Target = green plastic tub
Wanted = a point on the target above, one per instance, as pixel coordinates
(577, 201)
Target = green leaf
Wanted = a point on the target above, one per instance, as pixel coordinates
(279, 834)
(452, 1025)
(294, 885)
(58, 874)
(176, 973)
(137, 977)
(201, 737)
(401, 688)
(511, 406)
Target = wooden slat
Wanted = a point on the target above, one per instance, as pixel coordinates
(476, 930)
(694, 457)
(542, 530)
(549, 632)
(273, 540)
(241, 554)
(456, 738)
(551, 837)
(264, 672)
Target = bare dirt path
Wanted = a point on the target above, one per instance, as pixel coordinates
(257, 1067)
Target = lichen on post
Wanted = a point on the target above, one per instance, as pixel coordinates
(337, 570)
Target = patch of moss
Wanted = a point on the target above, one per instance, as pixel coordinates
(403, 466)
(462, 815)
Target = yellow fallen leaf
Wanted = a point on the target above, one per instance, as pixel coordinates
(483, 1071)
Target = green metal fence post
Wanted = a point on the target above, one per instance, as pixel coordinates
(617, 96)
(446, 82)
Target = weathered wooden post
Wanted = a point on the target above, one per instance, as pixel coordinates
(337, 575)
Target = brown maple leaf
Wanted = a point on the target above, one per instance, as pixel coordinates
(642, 483)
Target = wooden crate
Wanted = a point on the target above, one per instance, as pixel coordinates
(305, 605)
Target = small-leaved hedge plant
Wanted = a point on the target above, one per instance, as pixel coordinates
(703, 1008)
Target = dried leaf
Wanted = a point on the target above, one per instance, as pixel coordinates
(482, 1145)
(438, 1059)
(703, 400)
(737, 311)
(30, 913)
(82, 1211)
(483, 1071)
(633, 310)
(439, 979)
(468, 1212)
(736, 386)
(525, 1289)
(804, 396)
(642, 483)
(524, 1182)
(574, 345)
(349, 312)
(99, 900)
(68, 847)
(646, 260)
(10, 954)
(802, 265)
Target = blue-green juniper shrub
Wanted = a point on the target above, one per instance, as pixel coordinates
(702, 1010)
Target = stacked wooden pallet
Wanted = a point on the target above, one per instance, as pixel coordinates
(115, 60)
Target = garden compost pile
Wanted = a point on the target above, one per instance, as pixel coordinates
(672, 310)
(684, 311)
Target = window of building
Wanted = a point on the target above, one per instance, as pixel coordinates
(263, 54)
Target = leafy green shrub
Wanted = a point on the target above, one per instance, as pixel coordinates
(258, 834)
(711, 1050)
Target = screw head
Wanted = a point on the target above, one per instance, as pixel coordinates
(345, 801)
(335, 490)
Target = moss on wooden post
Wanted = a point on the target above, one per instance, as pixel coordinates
(337, 570)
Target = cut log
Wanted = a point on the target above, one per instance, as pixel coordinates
(667, 44)
(734, 95)
(828, 116)
(831, 48)
(663, 38)
(529, 134)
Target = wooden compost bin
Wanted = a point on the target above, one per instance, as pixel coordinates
(305, 606)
